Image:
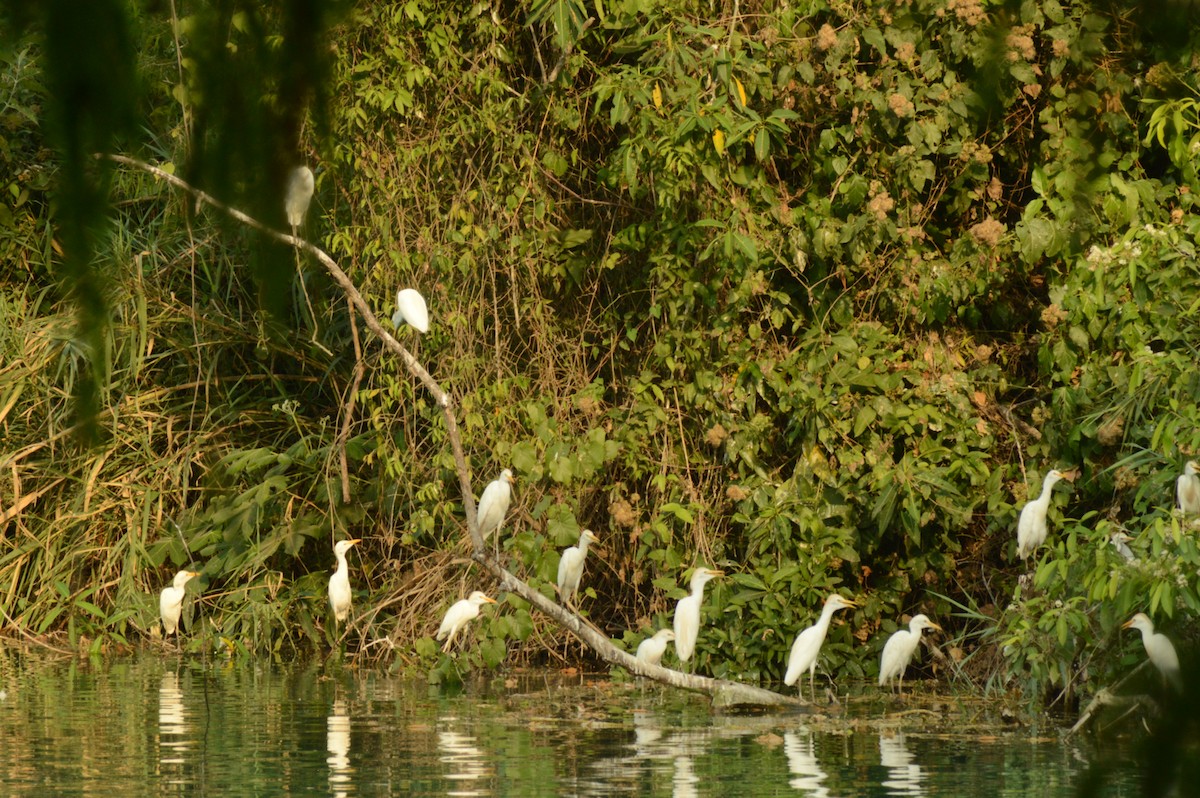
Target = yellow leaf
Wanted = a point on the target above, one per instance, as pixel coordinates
(719, 141)
(657, 95)
(741, 91)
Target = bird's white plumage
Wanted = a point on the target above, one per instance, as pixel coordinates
(459, 614)
(1120, 541)
(300, 188)
(1187, 489)
(570, 566)
(808, 643)
(1031, 527)
(899, 650)
(170, 601)
(651, 649)
(1158, 648)
(411, 308)
(339, 583)
(687, 614)
(493, 504)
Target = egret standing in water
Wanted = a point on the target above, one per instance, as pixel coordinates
(899, 650)
(493, 505)
(170, 601)
(1187, 489)
(1031, 527)
(300, 188)
(410, 308)
(1158, 648)
(808, 644)
(339, 583)
(651, 649)
(570, 567)
(687, 613)
(459, 614)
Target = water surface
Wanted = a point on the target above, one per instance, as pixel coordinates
(164, 725)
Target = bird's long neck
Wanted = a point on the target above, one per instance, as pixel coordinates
(341, 561)
(1047, 486)
(822, 623)
(583, 544)
(698, 590)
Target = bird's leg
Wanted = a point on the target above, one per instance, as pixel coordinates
(308, 302)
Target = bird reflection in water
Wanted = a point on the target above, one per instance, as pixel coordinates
(173, 726)
(465, 763)
(337, 742)
(684, 780)
(802, 762)
(904, 774)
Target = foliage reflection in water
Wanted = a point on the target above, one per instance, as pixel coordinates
(183, 727)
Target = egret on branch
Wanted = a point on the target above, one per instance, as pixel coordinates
(808, 644)
(651, 649)
(899, 650)
(493, 504)
(1158, 648)
(1120, 542)
(300, 188)
(339, 583)
(170, 601)
(1187, 489)
(687, 613)
(570, 567)
(410, 307)
(459, 615)
(1031, 527)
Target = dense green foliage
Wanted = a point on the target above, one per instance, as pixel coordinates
(816, 294)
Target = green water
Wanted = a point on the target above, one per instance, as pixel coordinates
(161, 725)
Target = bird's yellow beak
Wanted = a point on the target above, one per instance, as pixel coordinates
(1127, 624)
(193, 574)
(489, 600)
(1069, 476)
(933, 625)
(510, 479)
(354, 540)
(715, 572)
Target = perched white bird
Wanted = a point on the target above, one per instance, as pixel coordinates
(687, 613)
(1120, 542)
(1187, 489)
(170, 601)
(493, 504)
(1031, 527)
(808, 644)
(1158, 648)
(570, 567)
(299, 193)
(899, 650)
(459, 615)
(410, 307)
(339, 583)
(651, 649)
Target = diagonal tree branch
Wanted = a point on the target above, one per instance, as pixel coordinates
(723, 692)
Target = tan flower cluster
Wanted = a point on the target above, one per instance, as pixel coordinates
(906, 52)
(995, 189)
(1112, 431)
(1032, 89)
(969, 11)
(988, 232)
(1020, 45)
(901, 106)
(1060, 47)
(976, 152)
(1053, 316)
(622, 513)
(826, 37)
(736, 493)
(881, 204)
(716, 435)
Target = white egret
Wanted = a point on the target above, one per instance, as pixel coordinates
(300, 188)
(1031, 527)
(410, 307)
(687, 613)
(808, 644)
(651, 649)
(899, 650)
(170, 601)
(459, 615)
(493, 504)
(1120, 542)
(339, 583)
(1158, 648)
(1187, 488)
(570, 567)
